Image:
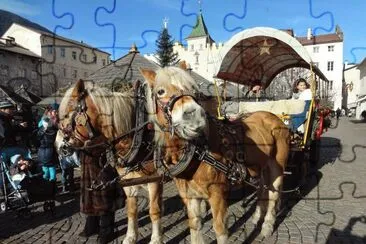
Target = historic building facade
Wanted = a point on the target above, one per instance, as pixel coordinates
(18, 66)
(63, 61)
(326, 51)
(355, 87)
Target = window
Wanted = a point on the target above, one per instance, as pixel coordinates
(73, 55)
(192, 47)
(62, 52)
(4, 70)
(85, 74)
(103, 62)
(84, 57)
(330, 65)
(201, 46)
(331, 48)
(95, 59)
(50, 49)
(331, 85)
(64, 72)
(34, 75)
(315, 49)
(197, 59)
(75, 73)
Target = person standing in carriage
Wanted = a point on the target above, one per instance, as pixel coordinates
(255, 91)
(302, 90)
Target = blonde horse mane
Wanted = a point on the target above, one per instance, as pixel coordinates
(176, 77)
(116, 108)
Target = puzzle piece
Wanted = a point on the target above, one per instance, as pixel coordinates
(182, 5)
(114, 30)
(315, 32)
(241, 17)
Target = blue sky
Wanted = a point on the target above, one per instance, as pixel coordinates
(113, 25)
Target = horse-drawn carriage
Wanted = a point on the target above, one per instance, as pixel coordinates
(205, 155)
(256, 57)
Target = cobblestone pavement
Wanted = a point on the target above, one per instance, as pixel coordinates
(332, 209)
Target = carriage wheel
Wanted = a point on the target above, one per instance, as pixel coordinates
(301, 160)
(3, 206)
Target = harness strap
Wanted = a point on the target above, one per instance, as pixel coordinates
(180, 167)
(204, 155)
(140, 118)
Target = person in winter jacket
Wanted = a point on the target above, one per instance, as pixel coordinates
(46, 152)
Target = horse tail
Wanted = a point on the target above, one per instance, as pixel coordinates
(281, 137)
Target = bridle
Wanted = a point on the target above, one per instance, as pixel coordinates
(79, 118)
(167, 108)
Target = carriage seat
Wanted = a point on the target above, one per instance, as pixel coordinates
(295, 110)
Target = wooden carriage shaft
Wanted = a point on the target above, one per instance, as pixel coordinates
(140, 180)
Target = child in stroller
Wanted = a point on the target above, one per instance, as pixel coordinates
(26, 186)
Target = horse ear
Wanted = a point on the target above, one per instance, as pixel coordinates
(183, 65)
(80, 86)
(149, 76)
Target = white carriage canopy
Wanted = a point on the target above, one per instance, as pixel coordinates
(259, 54)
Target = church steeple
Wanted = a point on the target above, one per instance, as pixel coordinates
(200, 29)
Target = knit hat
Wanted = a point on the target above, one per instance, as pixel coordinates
(6, 104)
(15, 159)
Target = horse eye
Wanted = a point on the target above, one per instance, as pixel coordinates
(161, 92)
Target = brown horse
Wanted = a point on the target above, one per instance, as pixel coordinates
(260, 141)
(91, 118)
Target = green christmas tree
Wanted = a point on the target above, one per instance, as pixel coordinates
(165, 53)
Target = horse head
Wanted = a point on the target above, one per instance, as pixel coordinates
(173, 105)
(91, 115)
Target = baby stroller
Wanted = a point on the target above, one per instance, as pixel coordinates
(24, 187)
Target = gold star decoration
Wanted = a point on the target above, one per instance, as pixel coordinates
(265, 48)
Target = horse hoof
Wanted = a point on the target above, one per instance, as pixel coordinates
(129, 240)
(267, 230)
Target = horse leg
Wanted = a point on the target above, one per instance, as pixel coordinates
(155, 195)
(195, 220)
(131, 235)
(261, 201)
(275, 180)
(218, 205)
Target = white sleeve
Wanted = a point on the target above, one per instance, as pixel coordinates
(306, 95)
